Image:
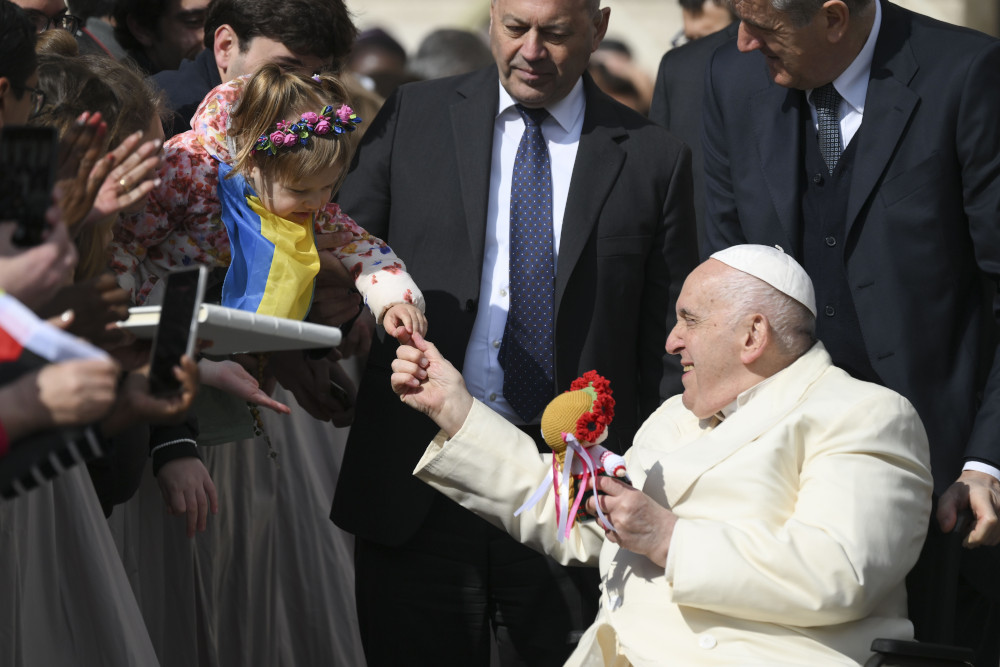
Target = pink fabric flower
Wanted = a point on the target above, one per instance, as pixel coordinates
(344, 113)
(322, 126)
(291, 139)
(278, 138)
(281, 125)
(310, 117)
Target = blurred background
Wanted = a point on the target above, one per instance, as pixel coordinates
(646, 27)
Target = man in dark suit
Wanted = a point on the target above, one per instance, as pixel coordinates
(433, 178)
(887, 188)
(677, 103)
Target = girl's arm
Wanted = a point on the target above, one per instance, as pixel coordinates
(378, 273)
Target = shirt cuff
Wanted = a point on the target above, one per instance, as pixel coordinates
(979, 466)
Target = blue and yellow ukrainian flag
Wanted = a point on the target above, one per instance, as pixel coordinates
(274, 261)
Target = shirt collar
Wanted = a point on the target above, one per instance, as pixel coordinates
(745, 397)
(565, 111)
(852, 84)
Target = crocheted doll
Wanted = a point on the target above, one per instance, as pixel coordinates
(573, 425)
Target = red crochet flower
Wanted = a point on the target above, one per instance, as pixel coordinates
(591, 425)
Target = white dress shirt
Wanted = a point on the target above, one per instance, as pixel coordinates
(482, 372)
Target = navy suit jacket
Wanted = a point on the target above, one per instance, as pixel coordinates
(922, 251)
(677, 103)
(421, 182)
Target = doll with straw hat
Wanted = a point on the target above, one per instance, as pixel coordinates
(573, 426)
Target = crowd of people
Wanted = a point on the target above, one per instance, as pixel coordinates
(782, 259)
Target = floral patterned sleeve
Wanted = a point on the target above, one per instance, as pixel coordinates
(180, 224)
(379, 274)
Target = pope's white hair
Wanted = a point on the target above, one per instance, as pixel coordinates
(793, 326)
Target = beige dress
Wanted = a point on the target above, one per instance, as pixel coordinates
(64, 597)
(271, 581)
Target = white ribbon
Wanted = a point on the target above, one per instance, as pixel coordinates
(574, 445)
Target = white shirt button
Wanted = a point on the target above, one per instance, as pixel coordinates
(503, 292)
(707, 642)
(493, 397)
(496, 344)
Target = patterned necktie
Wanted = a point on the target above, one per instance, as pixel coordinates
(826, 99)
(526, 353)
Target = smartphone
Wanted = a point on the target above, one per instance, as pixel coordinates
(27, 173)
(178, 328)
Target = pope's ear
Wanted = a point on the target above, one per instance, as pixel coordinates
(757, 337)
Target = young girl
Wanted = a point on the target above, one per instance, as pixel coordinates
(247, 188)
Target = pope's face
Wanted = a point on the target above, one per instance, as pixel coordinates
(707, 341)
(796, 56)
(541, 47)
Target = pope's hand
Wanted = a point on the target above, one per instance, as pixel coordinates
(642, 525)
(427, 382)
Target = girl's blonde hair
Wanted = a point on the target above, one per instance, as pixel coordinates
(272, 95)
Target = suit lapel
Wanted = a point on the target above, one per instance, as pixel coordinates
(888, 108)
(472, 122)
(773, 402)
(599, 161)
(779, 146)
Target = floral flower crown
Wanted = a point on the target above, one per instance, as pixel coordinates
(591, 424)
(289, 135)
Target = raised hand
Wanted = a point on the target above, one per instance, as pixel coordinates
(427, 382)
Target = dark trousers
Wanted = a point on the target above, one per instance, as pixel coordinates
(436, 599)
(954, 595)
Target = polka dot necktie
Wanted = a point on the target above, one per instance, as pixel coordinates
(526, 353)
(826, 99)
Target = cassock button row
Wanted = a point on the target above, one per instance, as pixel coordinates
(830, 311)
(830, 241)
(707, 642)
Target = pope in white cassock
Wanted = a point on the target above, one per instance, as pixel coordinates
(777, 504)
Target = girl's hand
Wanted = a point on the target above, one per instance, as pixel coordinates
(402, 320)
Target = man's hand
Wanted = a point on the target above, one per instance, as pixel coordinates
(979, 492)
(428, 382)
(188, 489)
(77, 392)
(33, 275)
(136, 404)
(642, 525)
(336, 301)
(309, 381)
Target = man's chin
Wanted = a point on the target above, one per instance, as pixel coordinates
(535, 93)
